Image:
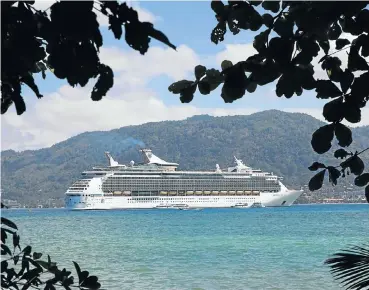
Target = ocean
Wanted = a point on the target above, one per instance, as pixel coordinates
(261, 248)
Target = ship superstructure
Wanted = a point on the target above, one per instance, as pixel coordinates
(156, 183)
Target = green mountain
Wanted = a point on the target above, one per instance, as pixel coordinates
(271, 140)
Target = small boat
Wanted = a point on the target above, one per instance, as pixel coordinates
(241, 205)
(191, 208)
(257, 205)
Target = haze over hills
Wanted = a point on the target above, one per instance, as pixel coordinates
(271, 140)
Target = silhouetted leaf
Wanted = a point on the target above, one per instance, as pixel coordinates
(116, 26)
(104, 83)
(341, 43)
(5, 250)
(316, 165)
(78, 270)
(356, 62)
(217, 6)
(341, 153)
(334, 174)
(280, 49)
(204, 86)
(37, 256)
(351, 267)
(260, 40)
(334, 31)
(27, 250)
(343, 134)
(355, 164)
(186, 95)
(16, 239)
(367, 193)
(283, 27)
(362, 179)
(200, 71)
(177, 87)
(267, 20)
(334, 110)
(352, 112)
(322, 139)
(346, 79)
(235, 82)
(158, 35)
(8, 223)
(91, 282)
(31, 274)
(226, 64)
(324, 44)
(251, 87)
(271, 5)
(217, 35)
(316, 182)
(327, 89)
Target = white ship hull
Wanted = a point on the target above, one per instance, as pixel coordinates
(99, 202)
(158, 184)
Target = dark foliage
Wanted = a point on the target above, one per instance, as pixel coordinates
(23, 269)
(351, 266)
(301, 29)
(34, 42)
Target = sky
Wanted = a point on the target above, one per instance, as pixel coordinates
(140, 93)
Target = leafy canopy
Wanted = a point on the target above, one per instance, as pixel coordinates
(23, 269)
(67, 43)
(290, 35)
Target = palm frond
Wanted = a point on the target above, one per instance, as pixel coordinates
(351, 267)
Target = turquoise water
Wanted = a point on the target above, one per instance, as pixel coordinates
(267, 248)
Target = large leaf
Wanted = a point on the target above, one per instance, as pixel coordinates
(322, 139)
(351, 267)
(343, 135)
(355, 164)
(327, 89)
(316, 165)
(316, 182)
(341, 42)
(200, 71)
(104, 82)
(334, 110)
(177, 87)
(8, 223)
(187, 94)
(362, 179)
(334, 174)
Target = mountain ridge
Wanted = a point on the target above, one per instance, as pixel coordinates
(270, 140)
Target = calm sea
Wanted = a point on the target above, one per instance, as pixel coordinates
(267, 248)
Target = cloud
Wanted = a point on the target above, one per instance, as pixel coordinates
(157, 61)
(76, 113)
(235, 53)
(70, 111)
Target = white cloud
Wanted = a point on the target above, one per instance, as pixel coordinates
(157, 61)
(235, 53)
(70, 111)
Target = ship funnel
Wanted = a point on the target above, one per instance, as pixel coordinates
(112, 162)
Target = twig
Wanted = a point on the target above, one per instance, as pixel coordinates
(362, 151)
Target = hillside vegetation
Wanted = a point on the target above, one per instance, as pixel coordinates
(271, 140)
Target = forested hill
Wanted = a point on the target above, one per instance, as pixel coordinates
(271, 140)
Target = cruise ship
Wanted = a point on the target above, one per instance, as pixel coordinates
(157, 184)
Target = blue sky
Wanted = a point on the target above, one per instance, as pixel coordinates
(140, 93)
